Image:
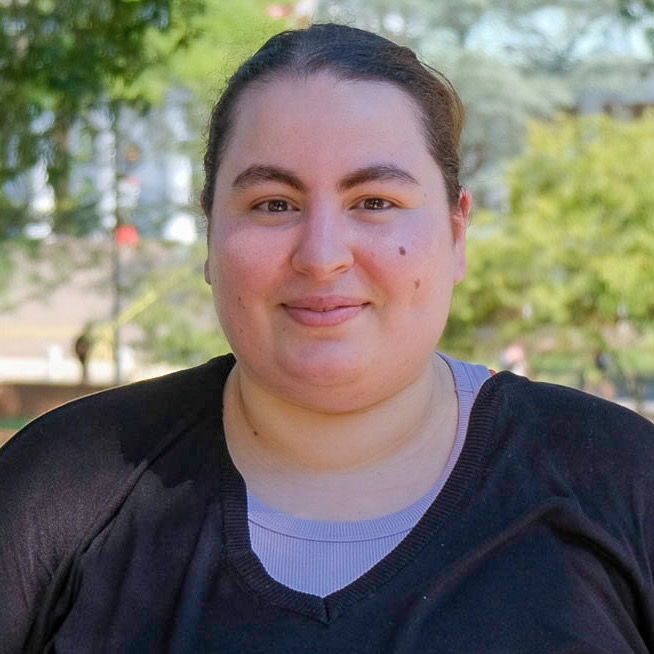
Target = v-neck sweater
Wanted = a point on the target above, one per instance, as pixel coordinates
(123, 528)
(322, 556)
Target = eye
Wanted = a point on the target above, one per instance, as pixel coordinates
(275, 206)
(375, 204)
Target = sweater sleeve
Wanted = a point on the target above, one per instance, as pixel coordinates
(55, 478)
(67, 473)
(601, 455)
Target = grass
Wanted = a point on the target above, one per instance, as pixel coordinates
(14, 424)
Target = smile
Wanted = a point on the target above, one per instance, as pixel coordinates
(324, 312)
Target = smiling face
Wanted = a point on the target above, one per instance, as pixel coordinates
(332, 249)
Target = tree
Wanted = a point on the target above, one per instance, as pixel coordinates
(62, 64)
(58, 61)
(582, 196)
(169, 300)
(573, 254)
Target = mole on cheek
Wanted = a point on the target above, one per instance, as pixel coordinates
(416, 283)
(402, 250)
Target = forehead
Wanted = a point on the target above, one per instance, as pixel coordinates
(323, 117)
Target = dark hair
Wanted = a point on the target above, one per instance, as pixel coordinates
(352, 54)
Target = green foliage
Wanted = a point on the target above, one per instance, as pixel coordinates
(575, 250)
(62, 57)
(58, 60)
(225, 33)
(582, 194)
(61, 60)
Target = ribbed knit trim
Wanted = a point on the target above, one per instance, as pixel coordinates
(320, 556)
(333, 531)
(460, 482)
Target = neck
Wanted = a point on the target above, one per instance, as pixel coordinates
(295, 458)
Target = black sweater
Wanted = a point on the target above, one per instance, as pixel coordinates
(123, 528)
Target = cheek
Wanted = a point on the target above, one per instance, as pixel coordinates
(230, 288)
(428, 279)
(419, 261)
(243, 268)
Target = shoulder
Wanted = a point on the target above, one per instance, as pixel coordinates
(63, 474)
(565, 410)
(91, 441)
(591, 442)
(147, 401)
(550, 441)
(142, 410)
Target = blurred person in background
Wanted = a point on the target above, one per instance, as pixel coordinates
(335, 485)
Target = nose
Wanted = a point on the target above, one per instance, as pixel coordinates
(323, 248)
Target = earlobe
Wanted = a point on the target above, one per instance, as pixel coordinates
(207, 275)
(460, 226)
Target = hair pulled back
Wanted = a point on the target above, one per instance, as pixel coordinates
(350, 54)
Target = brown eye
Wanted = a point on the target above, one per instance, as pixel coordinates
(276, 206)
(375, 204)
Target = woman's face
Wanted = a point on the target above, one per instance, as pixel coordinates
(332, 249)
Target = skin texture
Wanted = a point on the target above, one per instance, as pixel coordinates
(390, 270)
(332, 258)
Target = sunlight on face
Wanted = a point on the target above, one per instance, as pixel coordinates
(331, 253)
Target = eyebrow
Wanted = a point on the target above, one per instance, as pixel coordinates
(257, 174)
(376, 173)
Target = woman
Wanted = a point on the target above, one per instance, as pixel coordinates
(331, 487)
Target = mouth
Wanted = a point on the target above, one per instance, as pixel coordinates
(324, 311)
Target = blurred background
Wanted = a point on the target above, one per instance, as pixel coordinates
(103, 107)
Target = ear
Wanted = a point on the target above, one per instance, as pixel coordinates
(207, 273)
(460, 219)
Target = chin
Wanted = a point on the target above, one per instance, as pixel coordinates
(347, 398)
(324, 372)
(334, 385)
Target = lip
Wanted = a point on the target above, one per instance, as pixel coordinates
(324, 311)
